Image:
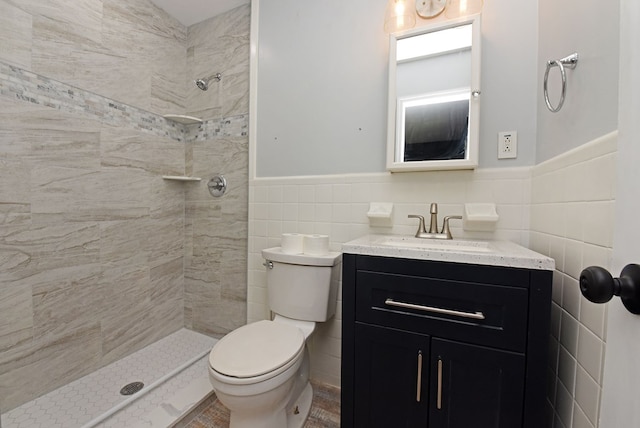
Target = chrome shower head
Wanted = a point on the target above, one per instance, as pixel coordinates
(203, 84)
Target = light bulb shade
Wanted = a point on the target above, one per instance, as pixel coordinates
(399, 16)
(458, 8)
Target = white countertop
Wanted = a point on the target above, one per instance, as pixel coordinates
(492, 253)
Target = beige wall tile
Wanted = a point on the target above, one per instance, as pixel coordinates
(590, 355)
(28, 370)
(580, 420)
(588, 395)
(592, 316)
(220, 45)
(15, 33)
(16, 306)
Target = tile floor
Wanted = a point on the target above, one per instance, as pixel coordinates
(78, 403)
(325, 411)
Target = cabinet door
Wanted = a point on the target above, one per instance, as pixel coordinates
(475, 387)
(391, 378)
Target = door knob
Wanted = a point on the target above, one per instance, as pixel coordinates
(599, 286)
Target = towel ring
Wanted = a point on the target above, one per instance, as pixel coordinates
(566, 62)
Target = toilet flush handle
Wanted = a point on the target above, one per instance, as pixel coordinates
(268, 264)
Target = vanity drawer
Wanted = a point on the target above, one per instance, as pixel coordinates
(483, 314)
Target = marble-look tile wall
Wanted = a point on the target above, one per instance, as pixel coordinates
(572, 212)
(128, 50)
(219, 45)
(91, 245)
(216, 228)
(92, 240)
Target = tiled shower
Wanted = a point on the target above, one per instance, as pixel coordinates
(99, 256)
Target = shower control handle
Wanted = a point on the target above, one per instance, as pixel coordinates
(217, 185)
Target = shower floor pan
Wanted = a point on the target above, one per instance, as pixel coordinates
(95, 400)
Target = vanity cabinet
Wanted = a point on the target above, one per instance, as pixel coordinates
(443, 345)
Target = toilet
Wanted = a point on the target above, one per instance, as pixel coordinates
(260, 371)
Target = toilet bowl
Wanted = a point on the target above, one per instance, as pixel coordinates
(260, 371)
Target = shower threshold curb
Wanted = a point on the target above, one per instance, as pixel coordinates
(179, 406)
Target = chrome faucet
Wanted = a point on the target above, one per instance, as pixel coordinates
(445, 233)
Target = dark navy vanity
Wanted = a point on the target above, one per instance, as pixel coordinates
(443, 340)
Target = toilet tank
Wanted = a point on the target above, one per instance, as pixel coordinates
(300, 286)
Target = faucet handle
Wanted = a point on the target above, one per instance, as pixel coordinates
(433, 209)
(421, 226)
(445, 224)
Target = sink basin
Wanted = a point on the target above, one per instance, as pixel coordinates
(435, 244)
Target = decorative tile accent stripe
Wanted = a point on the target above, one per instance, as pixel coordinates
(234, 126)
(20, 84)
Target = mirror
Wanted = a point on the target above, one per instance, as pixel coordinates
(434, 97)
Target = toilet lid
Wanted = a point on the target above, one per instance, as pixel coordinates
(256, 349)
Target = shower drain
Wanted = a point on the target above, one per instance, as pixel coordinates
(131, 388)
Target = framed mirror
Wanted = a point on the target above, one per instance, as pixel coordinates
(434, 97)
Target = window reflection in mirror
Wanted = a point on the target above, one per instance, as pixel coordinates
(432, 113)
(433, 127)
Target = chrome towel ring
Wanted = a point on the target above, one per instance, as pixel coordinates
(567, 62)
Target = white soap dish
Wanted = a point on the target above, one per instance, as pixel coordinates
(479, 217)
(183, 119)
(380, 214)
(180, 178)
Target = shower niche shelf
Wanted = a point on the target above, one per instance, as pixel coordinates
(181, 178)
(183, 119)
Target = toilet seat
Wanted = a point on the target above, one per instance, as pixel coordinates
(257, 349)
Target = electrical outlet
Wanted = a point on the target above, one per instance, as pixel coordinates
(507, 145)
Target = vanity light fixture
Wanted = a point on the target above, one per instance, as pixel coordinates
(458, 8)
(399, 16)
(430, 8)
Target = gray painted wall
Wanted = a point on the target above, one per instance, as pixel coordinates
(591, 105)
(322, 85)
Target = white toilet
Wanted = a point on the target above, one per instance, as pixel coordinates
(260, 371)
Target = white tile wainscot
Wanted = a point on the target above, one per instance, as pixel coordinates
(337, 206)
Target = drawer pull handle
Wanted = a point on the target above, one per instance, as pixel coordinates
(439, 397)
(419, 381)
(474, 315)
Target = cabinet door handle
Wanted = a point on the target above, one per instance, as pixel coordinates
(473, 315)
(419, 380)
(439, 396)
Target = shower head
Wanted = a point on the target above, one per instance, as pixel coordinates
(203, 83)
